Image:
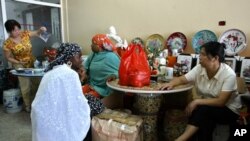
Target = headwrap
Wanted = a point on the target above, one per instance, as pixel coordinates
(64, 53)
(102, 41)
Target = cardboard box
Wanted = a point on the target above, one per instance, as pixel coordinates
(113, 125)
(241, 85)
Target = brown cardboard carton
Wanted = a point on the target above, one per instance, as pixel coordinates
(116, 126)
(241, 84)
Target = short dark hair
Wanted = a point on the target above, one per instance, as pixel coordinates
(215, 49)
(10, 25)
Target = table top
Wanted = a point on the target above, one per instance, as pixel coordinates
(152, 88)
(14, 72)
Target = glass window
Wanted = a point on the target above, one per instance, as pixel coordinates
(51, 1)
(48, 1)
(32, 17)
(1, 39)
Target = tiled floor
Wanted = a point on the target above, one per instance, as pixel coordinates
(15, 127)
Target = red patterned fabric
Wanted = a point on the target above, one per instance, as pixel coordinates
(102, 41)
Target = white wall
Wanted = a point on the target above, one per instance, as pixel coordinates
(142, 18)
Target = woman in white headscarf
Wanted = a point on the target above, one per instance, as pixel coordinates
(60, 112)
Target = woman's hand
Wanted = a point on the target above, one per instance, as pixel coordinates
(167, 86)
(175, 82)
(43, 29)
(82, 74)
(111, 77)
(38, 32)
(191, 106)
(22, 62)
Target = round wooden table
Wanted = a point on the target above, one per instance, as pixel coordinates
(153, 88)
(148, 102)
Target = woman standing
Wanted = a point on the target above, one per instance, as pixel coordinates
(17, 50)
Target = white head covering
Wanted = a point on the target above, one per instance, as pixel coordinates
(60, 112)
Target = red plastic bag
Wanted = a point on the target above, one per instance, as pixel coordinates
(121, 51)
(134, 68)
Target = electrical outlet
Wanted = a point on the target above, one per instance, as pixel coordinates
(222, 23)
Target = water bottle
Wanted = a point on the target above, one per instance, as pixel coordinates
(45, 64)
(36, 64)
(45, 36)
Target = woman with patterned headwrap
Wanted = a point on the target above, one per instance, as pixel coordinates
(101, 65)
(60, 111)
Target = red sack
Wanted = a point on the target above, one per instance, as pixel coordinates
(134, 68)
(121, 51)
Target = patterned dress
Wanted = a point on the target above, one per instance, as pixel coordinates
(21, 51)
